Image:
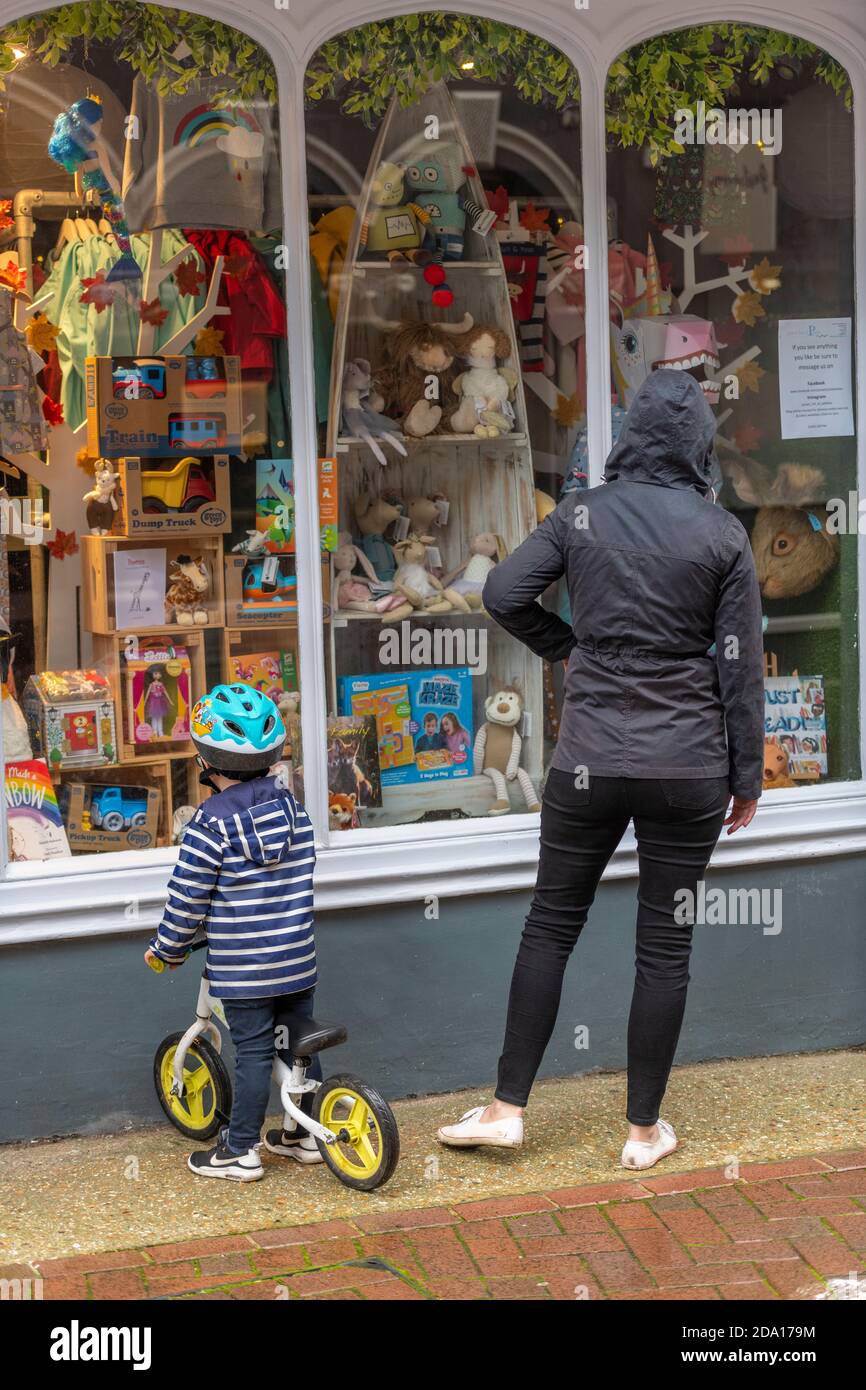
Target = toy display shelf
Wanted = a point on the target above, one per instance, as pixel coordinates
(109, 655)
(148, 772)
(473, 796)
(439, 442)
(98, 586)
(376, 293)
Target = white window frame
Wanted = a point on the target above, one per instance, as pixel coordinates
(366, 868)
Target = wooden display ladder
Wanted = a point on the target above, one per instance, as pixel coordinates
(489, 482)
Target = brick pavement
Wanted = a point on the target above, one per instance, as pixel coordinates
(779, 1231)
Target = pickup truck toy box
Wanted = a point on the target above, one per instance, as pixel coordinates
(162, 407)
(111, 818)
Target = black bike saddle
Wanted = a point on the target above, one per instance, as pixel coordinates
(309, 1037)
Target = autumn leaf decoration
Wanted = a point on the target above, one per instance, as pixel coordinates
(747, 437)
(97, 291)
(237, 265)
(764, 278)
(748, 308)
(41, 333)
(749, 375)
(535, 219)
(52, 412)
(64, 544)
(12, 277)
(567, 410)
(188, 277)
(152, 312)
(209, 343)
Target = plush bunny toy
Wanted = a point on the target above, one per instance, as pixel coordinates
(465, 585)
(497, 750)
(414, 585)
(351, 591)
(792, 546)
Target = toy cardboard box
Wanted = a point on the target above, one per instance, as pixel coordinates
(158, 695)
(251, 601)
(423, 721)
(70, 718)
(173, 497)
(107, 819)
(161, 407)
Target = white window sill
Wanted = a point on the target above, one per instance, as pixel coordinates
(374, 868)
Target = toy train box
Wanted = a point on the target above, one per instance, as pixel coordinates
(70, 718)
(108, 818)
(188, 496)
(423, 721)
(163, 407)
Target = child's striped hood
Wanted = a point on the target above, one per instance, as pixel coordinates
(261, 831)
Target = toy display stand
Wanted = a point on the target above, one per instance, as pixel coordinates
(488, 481)
(110, 652)
(99, 611)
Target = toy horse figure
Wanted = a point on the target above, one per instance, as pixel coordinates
(189, 581)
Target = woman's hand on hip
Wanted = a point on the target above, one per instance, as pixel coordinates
(740, 814)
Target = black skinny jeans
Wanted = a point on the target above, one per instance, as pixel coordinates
(677, 824)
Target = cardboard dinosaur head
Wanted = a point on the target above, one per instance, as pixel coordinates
(678, 342)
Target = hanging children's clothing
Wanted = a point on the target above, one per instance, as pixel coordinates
(198, 160)
(93, 330)
(22, 425)
(258, 314)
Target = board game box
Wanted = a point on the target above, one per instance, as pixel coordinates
(423, 721)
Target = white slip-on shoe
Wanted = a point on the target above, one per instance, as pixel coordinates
(641, 1153)
(468, 1133)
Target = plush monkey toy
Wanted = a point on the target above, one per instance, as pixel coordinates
(497, 750)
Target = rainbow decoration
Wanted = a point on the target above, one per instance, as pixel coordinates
(209, 122)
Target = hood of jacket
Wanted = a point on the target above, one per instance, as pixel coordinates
(256, 819)
(667, 437)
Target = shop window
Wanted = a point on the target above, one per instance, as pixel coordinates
(732, 257)
(445, 212)
(148, 526)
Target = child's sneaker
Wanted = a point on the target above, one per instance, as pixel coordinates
(220, 1162)
(303, 1148)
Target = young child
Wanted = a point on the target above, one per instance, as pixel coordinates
(245, 874)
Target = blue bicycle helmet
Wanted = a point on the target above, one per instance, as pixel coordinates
(237, 729)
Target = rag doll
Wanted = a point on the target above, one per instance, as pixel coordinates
(393, 225)
(485, 408)
(101, 501)
(464, 586)
(373, 516)
(352, 592)
(362, 416)
(77, 144)
(497, 750)
(414, 585)
(417, 372)
(792, 546)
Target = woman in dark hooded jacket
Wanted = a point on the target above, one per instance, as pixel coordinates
(662, 723)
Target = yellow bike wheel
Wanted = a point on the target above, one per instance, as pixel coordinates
(367, 1147)
(207, 1089)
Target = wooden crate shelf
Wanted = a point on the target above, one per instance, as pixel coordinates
(98, 587)
(109, 654)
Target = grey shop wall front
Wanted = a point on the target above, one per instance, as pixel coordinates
(425, 1000)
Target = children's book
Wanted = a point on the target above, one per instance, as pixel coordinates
(353, 759)
(423, 721)
(33, 822)
(795, 717)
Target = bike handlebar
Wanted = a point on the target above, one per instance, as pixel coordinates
(157, 965)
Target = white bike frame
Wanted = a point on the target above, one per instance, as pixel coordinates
(292, 1080)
